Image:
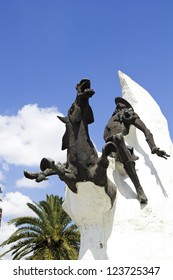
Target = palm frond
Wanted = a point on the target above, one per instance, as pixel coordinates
(49, 235)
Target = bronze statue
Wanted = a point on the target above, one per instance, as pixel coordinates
(82, 163)
(118, 126)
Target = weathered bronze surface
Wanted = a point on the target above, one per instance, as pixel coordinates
(83, 163)
(118, 126)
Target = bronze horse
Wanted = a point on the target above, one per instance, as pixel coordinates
(83, 163)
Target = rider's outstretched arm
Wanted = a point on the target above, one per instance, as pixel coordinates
(149, 138)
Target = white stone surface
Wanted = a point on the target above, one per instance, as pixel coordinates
(129, 230)
(90, 210)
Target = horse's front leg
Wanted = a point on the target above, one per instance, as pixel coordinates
(39, 176)
(66, 175)
(46, 171)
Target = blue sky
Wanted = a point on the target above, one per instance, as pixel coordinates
(47, 47)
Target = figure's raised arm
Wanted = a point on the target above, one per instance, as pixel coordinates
(149, 138)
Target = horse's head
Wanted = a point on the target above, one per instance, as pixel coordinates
(84, 89)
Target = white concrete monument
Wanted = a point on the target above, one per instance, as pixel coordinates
(130, 230)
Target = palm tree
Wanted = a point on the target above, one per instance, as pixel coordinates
(50, 235)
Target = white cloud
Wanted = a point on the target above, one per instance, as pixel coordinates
(5, 166)
(15, 205)
(2, 176)
(24, 182)
(30, 135)
(3, 170)
(6, 231)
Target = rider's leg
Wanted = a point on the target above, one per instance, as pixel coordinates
(129, 166)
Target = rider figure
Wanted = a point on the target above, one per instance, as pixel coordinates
(118, 126)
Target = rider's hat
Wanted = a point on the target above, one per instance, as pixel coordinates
(122, 101)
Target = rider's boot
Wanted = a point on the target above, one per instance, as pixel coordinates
(129, 167)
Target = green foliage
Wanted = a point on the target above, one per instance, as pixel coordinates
(50, 235)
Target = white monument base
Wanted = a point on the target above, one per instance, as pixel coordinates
(130, 230)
